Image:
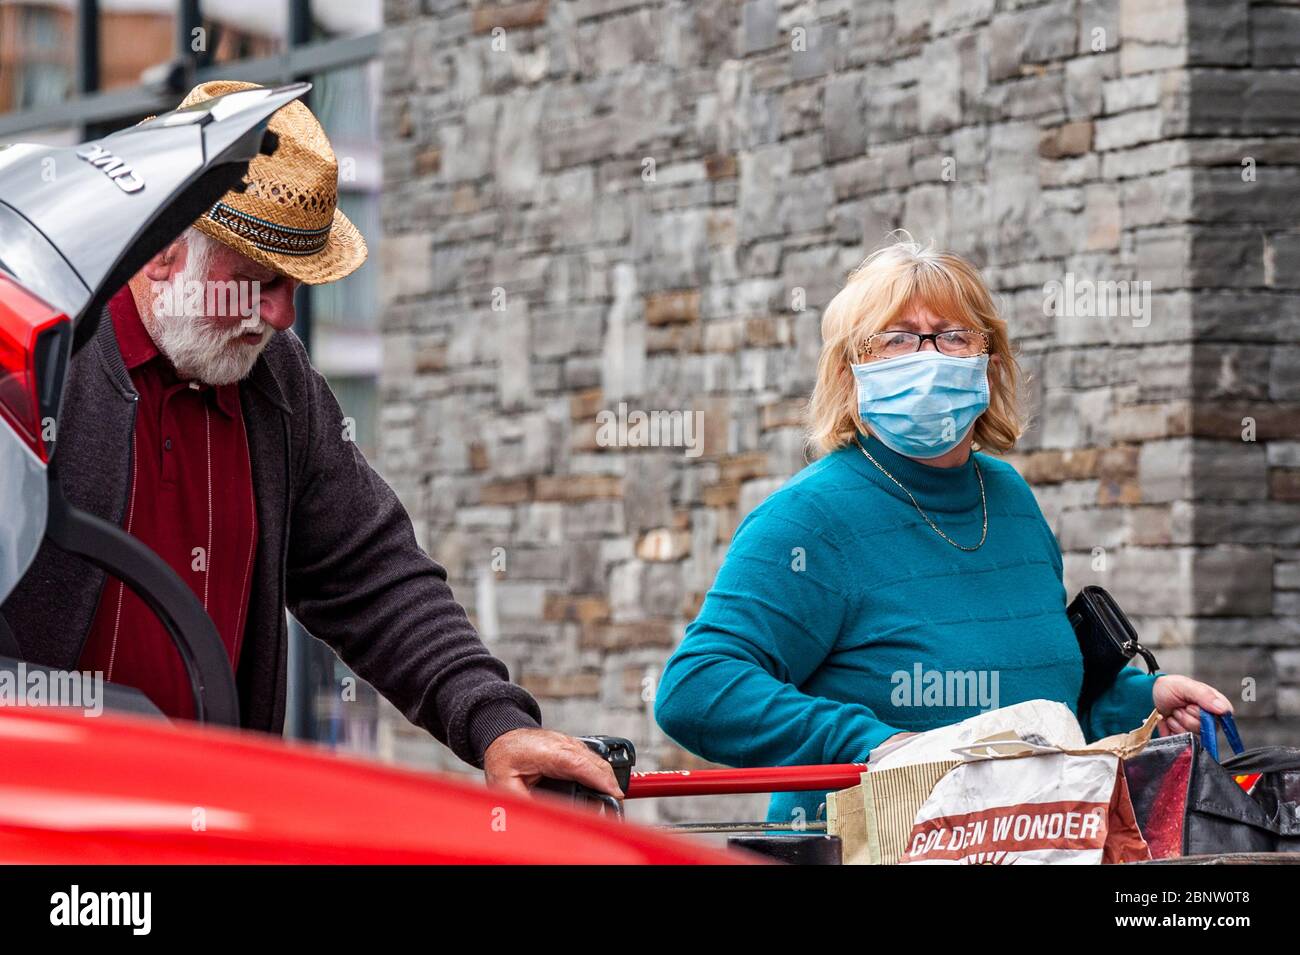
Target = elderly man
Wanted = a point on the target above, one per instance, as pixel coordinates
(206, 433)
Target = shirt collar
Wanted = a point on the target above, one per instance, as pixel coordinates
(132, 337)
(138, 348)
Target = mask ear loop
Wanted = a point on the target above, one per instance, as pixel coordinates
(988, 350)
(856, 359)
(857, 352)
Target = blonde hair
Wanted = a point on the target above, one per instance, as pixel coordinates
(886, 285)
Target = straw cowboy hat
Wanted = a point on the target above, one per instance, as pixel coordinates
(288, 218)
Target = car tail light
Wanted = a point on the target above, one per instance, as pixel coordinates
(34, 342)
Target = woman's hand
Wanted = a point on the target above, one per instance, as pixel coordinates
(1180, 700)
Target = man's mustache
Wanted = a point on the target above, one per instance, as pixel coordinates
(249, 326)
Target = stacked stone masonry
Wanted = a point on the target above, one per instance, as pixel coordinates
(595, 202)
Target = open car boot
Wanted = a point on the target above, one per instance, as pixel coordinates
(75, 224)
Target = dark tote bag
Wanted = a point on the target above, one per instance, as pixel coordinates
(1188, 803)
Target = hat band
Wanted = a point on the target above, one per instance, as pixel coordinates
(269, 236)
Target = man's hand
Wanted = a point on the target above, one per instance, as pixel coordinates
(1180, 700)
(518, 759)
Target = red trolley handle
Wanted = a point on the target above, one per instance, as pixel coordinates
(765, 779)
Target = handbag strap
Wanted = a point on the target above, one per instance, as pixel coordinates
(1210, 733)
(1147, 656)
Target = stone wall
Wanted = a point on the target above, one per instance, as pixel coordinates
(602, 201)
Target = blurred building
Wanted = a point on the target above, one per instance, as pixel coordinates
(36, 54)
(38, 62)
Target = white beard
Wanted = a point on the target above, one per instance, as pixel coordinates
(197, 348)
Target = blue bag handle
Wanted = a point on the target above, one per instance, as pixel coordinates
(1210, 734)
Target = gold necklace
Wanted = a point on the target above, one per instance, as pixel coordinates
(933, 526)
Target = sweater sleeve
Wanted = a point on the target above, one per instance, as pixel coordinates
(358, 580)
(730, 693)
(1122, 706)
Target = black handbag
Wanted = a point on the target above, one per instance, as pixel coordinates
(1107, 641)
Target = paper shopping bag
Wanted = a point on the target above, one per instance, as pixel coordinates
(1017, 801)
(874, 818)
(1052, 807)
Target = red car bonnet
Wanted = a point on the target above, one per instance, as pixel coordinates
(119, 789)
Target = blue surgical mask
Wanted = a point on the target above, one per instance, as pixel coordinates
(922, 405)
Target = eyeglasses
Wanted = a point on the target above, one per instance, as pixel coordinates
(958, 342)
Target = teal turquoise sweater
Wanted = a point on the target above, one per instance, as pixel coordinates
(840, 618)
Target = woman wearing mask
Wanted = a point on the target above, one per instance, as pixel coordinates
(900, 552)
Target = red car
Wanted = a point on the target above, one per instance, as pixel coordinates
(145, 790)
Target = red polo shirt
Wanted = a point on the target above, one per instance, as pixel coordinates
(191, 501)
